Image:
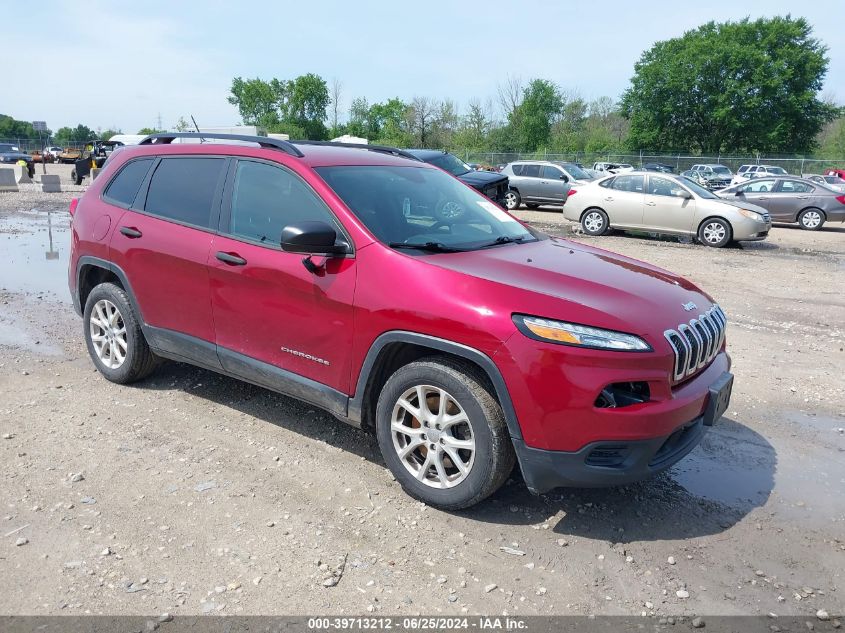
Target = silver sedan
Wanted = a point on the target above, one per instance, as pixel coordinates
(808, 203)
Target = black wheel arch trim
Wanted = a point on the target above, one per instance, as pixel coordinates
(90, 260)
(355, 407)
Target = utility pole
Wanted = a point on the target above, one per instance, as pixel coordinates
(158, 122)
(40, 127)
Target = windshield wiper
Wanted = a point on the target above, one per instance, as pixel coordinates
(503, 239)
(434, 247)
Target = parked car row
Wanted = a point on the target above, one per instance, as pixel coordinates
(677, 205)
(12, 155)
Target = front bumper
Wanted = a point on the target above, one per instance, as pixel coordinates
(617, 462)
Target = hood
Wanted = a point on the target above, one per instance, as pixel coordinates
(626, 294)
(16, 156)
(739, 203)
(482, 179)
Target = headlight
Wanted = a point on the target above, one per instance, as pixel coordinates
(751, 215)
(578, 335)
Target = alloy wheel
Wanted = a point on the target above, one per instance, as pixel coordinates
(593, 221)
(811, 219)
(511, 201)
(432, 436)
(713, 232)
(108, 334)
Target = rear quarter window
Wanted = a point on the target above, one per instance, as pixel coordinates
(124, 186)
(517, 169)
(182, 189)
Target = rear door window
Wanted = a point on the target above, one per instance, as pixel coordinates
(633, 184)
(182, 189)
(532, 171)
(517, 169)
(757, 186)
(793, 186)
(124, 187)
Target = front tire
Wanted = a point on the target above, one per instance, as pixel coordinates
(811, 219)
(443, 434)
(595, 222)
(512, 200)
(113, 336)
(715, 232)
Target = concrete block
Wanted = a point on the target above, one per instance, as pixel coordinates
(7, 180)
(95, 171)
(22, 175)
(50, 183)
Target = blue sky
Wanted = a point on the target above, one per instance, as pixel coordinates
(176, 58)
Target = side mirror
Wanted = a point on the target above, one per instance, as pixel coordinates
(739, 192)
(686, 195)
(564, 178)
(312, 238)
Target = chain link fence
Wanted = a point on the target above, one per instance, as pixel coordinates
(29, 145)
(796, 165)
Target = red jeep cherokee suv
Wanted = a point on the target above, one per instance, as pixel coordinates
(397, 298)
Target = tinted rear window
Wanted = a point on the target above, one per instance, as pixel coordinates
(182, 189)
(531, 170)
(517, 170)
(125, 185)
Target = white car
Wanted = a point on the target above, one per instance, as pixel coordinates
(52, 151)
(612, 168)
(747, 172)
(833, 182)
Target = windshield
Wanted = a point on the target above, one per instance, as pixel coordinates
(417, 205)
(576, 172)
(697, 189)
(721, 169)
(8, 148)
(450, 163)
(834, 180)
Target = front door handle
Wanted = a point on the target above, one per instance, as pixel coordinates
(131, 232)
(762, 198)
(233, 259)
(803, 197)
(651, 204)
(609, 199)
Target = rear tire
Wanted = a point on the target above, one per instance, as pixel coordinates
(460, 452)
(811, 219)
(595, 222)
(512, 200)
(715, 232)
(113, 336)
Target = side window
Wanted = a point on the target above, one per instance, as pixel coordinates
(664, 187)
(552, 173)
(633, 184)
(124, 187)
(757, 186)
(266, 199)
(182, 189)
(607, 184)
(532, 171)
(793, 186)
(517, 169)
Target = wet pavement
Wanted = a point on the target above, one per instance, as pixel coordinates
(34, 250)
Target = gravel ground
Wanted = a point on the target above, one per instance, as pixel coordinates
(192, 493)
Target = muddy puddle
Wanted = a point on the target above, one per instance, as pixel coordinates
(34, 249)
(738, 467)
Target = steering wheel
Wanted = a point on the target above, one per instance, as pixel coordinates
(448, 211)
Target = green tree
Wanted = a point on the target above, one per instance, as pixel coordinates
(12, 128)
(296, 107)
(149, 130)
(734, 86)
(74, 136)
(532, 120)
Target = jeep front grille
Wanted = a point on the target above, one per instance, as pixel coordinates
(695, 344)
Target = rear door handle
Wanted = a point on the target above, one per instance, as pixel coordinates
(233, 259)
(609, 199)
(803, 197)
(131, 232)
(651, 204)
(762, 198)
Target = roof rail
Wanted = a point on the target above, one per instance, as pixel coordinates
(382, 149)
(263, 141)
